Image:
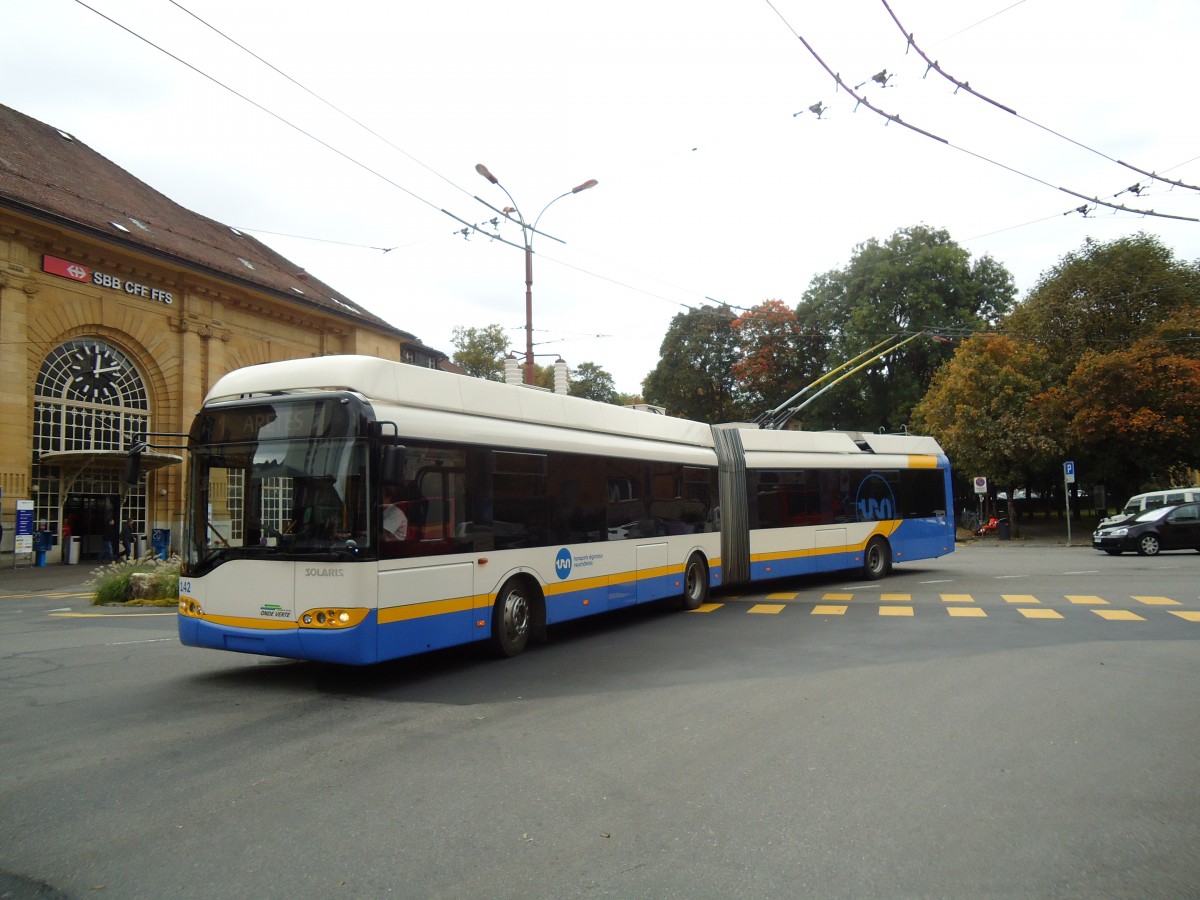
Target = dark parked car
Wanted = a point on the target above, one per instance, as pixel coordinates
(1166, 528)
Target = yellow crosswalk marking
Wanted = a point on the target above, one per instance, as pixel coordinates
(769, 609)
(838, 597)
(1021, 598)
(1118, 615)
(957, 598)
(1039, 613)
(1189, 616)
(1086, 600)
(966, 612)
(895, 610)
(789, 596)
(1157, 601)
(820, 610)
(707, 607)
(898, 598)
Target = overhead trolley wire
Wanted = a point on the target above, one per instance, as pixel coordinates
(892, 117)
(314, 94)
(963, 85)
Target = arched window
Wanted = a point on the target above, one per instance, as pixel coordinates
(89, 396)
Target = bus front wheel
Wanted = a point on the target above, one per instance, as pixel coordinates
(877, 560)
(695, 582)
(512, 619)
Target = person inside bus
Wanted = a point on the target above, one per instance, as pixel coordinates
(395, 522)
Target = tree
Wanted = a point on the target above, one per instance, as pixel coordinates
(919, 279)
(1119, 322)
(590, 381)
(773, 360)
(693, 378)
(1105, 297)
(981, 408)
(480, 351)
(1133, 415)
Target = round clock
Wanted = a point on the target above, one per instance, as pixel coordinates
(96, 373)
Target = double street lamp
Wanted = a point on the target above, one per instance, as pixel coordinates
(513, 214)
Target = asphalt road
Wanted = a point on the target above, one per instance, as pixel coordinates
(1011, 721)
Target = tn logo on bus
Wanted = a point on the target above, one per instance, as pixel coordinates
(875, 501)
(562, 563)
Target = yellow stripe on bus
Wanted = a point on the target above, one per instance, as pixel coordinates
(424, 610)
(921, 461)
(883, 529)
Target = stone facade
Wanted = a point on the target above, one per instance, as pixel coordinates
(118, 310)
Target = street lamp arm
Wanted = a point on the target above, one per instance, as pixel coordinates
(527, 233)
(590, 183)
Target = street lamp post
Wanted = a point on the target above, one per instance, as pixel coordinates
(527, 233)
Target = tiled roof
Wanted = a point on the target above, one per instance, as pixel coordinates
(52, 173)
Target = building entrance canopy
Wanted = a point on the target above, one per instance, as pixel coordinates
(73, 463)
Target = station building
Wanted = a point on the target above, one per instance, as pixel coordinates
(119, 308)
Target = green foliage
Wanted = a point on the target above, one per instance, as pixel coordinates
(590, 381)
(1101, 364)
(693, 378)
(981, 408)
(112, 583)
(1105, 297)
(919, 279)
(480, 351)
(772, 366)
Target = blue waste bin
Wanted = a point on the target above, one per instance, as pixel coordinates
(160, 539)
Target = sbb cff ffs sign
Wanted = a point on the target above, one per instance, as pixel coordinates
(65, 268)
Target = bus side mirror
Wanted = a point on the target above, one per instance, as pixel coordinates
(133, 463)
(393, 464)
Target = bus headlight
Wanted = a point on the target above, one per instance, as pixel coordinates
(332, 618)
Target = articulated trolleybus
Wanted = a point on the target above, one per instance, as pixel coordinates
(353, 510)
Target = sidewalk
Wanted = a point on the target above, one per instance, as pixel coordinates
(1042, 532)
(51, 577)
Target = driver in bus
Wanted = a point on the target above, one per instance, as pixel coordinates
(395, 522)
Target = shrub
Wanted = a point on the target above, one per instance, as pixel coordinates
(111, 583)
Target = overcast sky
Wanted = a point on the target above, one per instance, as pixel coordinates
(716, 181)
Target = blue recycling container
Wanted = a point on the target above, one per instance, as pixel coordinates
(160, 539)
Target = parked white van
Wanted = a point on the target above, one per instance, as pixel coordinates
(1139, 503)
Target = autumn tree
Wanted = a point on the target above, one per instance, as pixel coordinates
(1120, 323)
(775, 361)
(917, 280)
(1133, 415)
(694, 375)
(980, 407)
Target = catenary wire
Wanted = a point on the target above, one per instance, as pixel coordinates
(892, 117)
(314, 94)
(963, 85)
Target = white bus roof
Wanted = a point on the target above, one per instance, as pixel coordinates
(399, 384)
(389, 383)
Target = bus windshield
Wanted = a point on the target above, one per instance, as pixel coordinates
(298, 488)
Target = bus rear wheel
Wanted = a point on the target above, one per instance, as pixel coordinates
(512, 619)
(695, 582)
(877, 560)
